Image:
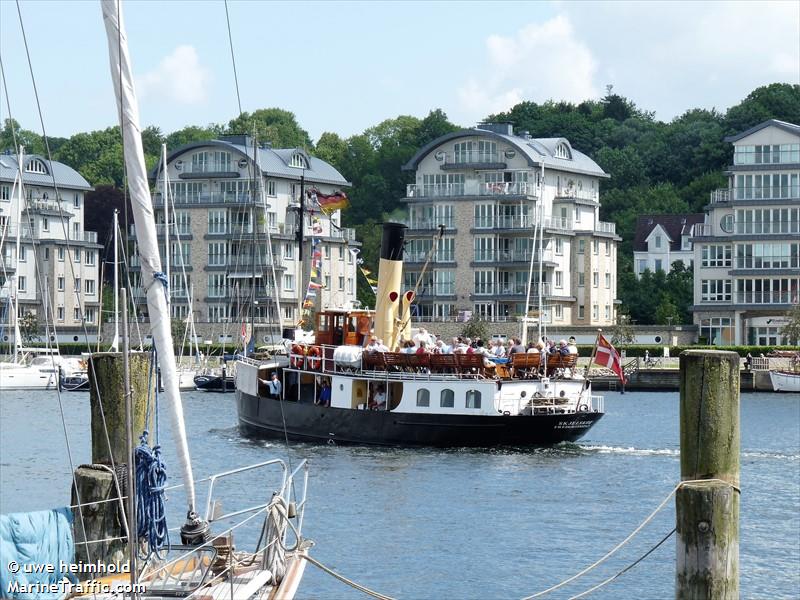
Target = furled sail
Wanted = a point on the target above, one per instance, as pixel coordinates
(152, 277)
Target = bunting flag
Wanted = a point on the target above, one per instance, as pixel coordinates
(307, 304)
(315, 285)
(607, 356)
(329, 203)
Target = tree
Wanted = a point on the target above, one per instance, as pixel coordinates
(774, 101)
(791, 331)
(192, 133)
(274, 125)
(29, 327)
(623, 333)
(667, 313)
(475, 328)
(12, 131)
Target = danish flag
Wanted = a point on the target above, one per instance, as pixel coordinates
(606, 356)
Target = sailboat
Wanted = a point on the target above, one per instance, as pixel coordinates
(212, 567)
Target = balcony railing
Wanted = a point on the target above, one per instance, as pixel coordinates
(766, 193)
(221, 260)
(767, 227)
(211, 166)
(508, 188)
(427, 225)
(701, 230)
(572, 192)
(471, 157)
(511, 289)
(605, 227)
(720, 196)
(766, 297)
(471, 188)
(767, 261)
(207, 198)
(505, 256)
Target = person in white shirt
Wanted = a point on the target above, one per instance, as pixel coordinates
(379, 400)
(499, 351)
(274, 387)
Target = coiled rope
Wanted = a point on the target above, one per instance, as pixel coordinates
(151, 479)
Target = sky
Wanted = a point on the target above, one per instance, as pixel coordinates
(347, 66)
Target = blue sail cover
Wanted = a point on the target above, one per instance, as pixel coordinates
(31, 545)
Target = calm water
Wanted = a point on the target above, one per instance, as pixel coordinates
(470, 523)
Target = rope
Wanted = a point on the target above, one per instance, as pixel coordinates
(344, 579)
(161, 277)
(151, 478)
(629, 538)
(626, 569)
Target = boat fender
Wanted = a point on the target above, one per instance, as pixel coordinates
(331, 442)
(314, 360)
(506, 413)
(538, 395)
(583, 408)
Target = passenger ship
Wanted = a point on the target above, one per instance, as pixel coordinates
(445, 400)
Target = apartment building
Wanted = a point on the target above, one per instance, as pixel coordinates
(489, 187)
(661, 240)
(227, 199)
(747, 251)
(55, 273)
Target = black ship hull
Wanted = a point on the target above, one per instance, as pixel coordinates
(212, 383)
(265, 417)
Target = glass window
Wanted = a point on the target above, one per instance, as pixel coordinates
(581, 279)
(473, 399)
(581, 246)
(423, 398)
(447, 399)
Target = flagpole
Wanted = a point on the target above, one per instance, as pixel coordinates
(300, 241)
(591, 360)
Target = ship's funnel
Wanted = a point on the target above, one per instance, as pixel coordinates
(390, 275)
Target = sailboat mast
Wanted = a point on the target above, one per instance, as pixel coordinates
(301, 291)
(541, 239)
(115, 343)
(164, 183)
(15, 287)
(153, 279)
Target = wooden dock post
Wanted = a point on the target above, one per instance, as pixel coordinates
(95, 483)
(707, 513)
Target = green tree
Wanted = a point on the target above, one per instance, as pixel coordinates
(29, 327)
(274, 125)
(791, 331)
(475, 328)
(622, 334)
(774, 101)
(192, 133)
(31, 141)
(667, 313)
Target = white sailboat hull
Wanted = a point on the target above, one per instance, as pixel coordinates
(23, 377)
(783, 381)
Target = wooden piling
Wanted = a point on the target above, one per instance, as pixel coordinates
(707, 513)
(102, 519)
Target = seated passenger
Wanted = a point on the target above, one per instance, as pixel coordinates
(562, 348)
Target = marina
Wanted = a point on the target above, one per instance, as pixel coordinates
(405, 522)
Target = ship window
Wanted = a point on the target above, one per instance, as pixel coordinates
(423, 398)
(447, 399)
(473, 399)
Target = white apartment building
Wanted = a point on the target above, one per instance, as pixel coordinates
(219, 226)
(662, 240)
(55, 275)
(486, 186)
(747, 252)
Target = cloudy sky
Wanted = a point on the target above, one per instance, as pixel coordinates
(345, 66)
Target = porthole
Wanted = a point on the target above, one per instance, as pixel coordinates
(178, 165)
(658, 339)
(74, 338)
(242, 163)
(439, 155)
(510, 153)
(726, 224)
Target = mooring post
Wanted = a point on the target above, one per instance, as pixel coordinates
(707, 512)
(95, 483)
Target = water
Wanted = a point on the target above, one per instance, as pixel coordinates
(470, 523)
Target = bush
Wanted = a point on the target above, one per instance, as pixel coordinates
(674, 351)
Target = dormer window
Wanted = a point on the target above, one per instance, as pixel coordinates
(298, 161)
(37, 166)
(562, 151)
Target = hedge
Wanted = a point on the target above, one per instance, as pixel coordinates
(632, 351)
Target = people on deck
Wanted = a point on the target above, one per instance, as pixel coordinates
(274, 387)
(517, 347)
(325, 393)
(379, 399)
(563, 350)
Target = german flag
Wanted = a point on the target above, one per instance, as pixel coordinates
(329, 203)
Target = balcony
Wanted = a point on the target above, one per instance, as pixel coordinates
(473, 188)
(208, 198)
(472, 159)
(702, 230)
(511, 290)
(574, 193)
(244, 261)
(605, 227)
(211, 168)
(722, 196)
(767, 228)
(789, 192)
(428, 225)
(510, 256)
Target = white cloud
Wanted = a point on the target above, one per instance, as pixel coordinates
(539, 62)
(179, 77)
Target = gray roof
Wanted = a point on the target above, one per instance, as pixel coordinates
(274, 162)
(790, 127)
(65, 177)
(536, 150)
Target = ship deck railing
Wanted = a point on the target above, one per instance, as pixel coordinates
(398, 365)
